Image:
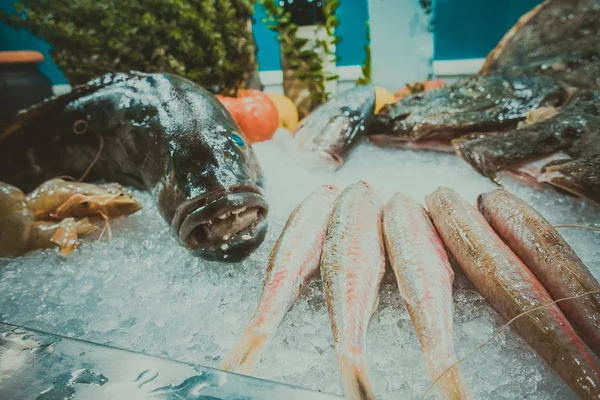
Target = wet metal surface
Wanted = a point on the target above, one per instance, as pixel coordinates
(41, 366)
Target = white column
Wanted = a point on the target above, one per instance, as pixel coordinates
(401, 42)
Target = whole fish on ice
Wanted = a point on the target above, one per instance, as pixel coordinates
(352, 267)
(334, 128)
(293, 262)
(549, 257)
(511, 289)
(157, 132)
(425, 278)
(549, 59)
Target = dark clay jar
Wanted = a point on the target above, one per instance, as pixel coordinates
(21, 82)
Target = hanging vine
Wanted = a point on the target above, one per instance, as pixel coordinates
(365, 79)
(327, 46)
(307, 63)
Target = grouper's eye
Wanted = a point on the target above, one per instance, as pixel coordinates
(238, 140)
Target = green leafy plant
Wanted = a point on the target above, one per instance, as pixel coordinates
(365, 78)
(206, 41)
(307, 63)
(331, 22)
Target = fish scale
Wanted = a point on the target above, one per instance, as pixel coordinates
(294, 260)
(549, 257)
(352, 267)
(512, 289)
(425, 278)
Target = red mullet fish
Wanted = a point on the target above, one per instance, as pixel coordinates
(293, 262)
(352, 267)
(424, 275)
(510, 288)
(549, 257)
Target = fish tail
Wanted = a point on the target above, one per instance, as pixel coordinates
(65, 236)
(355, 380)
(453, 386)
(245, 353)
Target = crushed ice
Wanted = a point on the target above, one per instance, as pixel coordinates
(142, 291)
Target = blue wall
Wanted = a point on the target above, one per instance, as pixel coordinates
(353, 16)
(11, 39)
(471, 28)
(463, 29)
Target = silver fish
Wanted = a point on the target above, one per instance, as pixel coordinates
(424, 275)
(293, 262)
(352, 267)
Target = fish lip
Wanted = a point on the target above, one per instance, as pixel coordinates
(480, 203)
(238, 250)
(198, 211)
(333, 158)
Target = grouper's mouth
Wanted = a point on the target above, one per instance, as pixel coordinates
(227, 225)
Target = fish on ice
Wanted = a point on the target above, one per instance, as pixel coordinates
(294, 260)
(352, 267)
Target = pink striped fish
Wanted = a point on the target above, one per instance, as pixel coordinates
(293, 262)
(425, 278)
(352, 267)
(510, 287)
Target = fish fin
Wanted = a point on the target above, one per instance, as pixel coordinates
(53, 104)
(65, 236)
(451, 383)
(245, 353)
(355, 381)
(375, 305)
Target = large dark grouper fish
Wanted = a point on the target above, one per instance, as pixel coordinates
(533, 107)
(156, 132)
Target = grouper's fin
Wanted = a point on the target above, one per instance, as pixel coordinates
(33, 114)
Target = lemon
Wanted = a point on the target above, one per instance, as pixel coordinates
(288, 113)
(383, 97)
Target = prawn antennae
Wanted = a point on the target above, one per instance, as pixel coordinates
(499, 331)
(96, 157)
(591, 228)
(106, 226)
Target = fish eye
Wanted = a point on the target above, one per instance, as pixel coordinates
(238, 140)
(80, 127)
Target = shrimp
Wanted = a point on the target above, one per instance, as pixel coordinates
(21, 233)
(59, 199)
(57, 213)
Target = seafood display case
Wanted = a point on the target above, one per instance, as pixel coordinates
(38, 365)
(161, 237)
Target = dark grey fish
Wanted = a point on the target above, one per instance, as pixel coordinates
(333, 129)
(479, 104)
(557, 38)
(156, 132)
(574, 132)
(550, 58)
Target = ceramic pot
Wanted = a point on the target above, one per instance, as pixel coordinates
(21, 82)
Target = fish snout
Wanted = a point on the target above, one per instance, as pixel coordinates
(332, 158)
(480, 204)
(225, 226)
